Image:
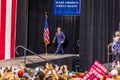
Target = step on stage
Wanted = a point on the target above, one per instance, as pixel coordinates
(58, 59)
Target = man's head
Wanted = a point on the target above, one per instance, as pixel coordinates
(58, 29)
(117, 33)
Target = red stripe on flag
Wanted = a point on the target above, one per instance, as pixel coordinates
(13, 28)
(3, 27)
(46, 36)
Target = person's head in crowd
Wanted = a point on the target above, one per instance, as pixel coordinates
(41, 68)
(65, 77)
(60, 78)
(118, 69)
(41, 75)
(9, 68)
(27, 70)
(56, 68)
(114, 73)
(20, 73)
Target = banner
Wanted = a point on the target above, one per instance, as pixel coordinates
(67, 7)
(95, 72)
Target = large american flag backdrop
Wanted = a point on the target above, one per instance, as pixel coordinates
(7, 28)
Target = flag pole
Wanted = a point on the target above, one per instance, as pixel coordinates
(46, 53)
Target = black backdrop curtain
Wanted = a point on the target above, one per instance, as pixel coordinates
(98, 22)
(22, 24)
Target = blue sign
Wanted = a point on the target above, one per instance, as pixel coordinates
(67, 7)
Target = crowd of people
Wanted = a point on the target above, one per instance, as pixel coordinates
(50, 72)
(47, 72)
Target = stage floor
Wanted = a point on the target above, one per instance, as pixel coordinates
(35, 59)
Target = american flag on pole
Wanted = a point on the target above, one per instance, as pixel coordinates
(46, 32)
(7, 28)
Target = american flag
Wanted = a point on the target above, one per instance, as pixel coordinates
(46, 32)
(7, 28)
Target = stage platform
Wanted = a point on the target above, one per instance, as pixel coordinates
(58, 59)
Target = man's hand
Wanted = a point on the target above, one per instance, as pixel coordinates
(62, 41)
(65, 66)
(47, 66)
(50, 66)
(61, 67)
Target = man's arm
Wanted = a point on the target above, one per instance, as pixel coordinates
(63, 37)
(55, 37)
(118, 42)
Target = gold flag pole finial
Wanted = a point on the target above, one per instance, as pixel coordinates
(46, 16)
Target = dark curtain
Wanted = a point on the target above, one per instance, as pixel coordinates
(69, 25)
(22, 24)
(98, 22)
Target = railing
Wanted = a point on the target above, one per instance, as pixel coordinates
(28, 50)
